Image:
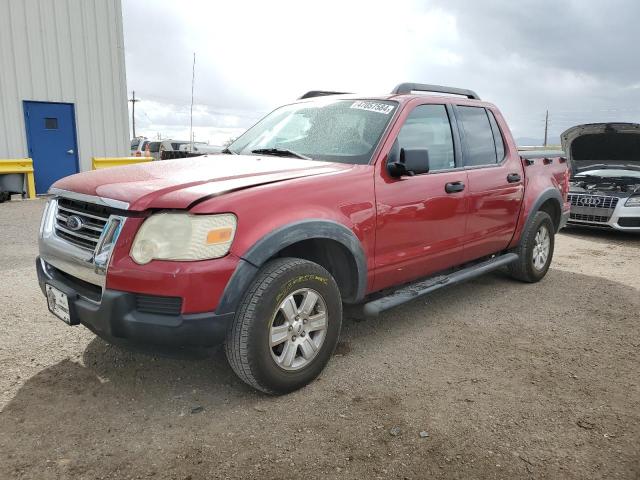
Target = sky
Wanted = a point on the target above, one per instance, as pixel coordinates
(575, 58)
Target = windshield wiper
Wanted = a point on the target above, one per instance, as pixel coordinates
(279, 152)
(226, 150)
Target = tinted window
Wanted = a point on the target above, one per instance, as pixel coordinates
(497, 136)
(134, 143)
(427, 126)
(154, 147)
(478, 136)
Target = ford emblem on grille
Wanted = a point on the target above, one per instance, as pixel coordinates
(74, 223)
(589, 201)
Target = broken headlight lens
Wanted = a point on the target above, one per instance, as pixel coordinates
(180, 236)
(633, 201)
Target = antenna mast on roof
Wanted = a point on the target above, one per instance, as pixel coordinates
(193, 81)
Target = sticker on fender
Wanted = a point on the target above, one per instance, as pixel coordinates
(373, 106)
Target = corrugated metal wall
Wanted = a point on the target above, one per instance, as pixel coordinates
(64, 51)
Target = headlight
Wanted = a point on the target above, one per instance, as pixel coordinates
(632, 202)
(180, 236)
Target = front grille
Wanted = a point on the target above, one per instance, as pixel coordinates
(591, 208)
(592, 201)
(92, 220)
(588, 218)
(158, 305)
(629, 221)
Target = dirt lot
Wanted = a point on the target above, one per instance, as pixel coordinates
(508, 380)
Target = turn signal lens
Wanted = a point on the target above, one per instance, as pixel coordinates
(219, 235)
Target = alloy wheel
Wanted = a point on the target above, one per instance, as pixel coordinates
(298, 329)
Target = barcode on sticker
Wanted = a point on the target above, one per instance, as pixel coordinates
(373, 106)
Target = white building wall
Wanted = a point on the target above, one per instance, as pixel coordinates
(64, 51)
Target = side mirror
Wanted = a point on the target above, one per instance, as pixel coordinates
(412, 161)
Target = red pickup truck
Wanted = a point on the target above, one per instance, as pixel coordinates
(332, 199)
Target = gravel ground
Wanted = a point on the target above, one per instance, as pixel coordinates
(507, 380)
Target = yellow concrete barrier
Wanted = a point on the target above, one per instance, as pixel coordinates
(20, 165)
(98, 163)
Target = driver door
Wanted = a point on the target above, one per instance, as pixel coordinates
(421, 219)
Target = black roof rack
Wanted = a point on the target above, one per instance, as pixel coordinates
(320, 93)
(421, 87)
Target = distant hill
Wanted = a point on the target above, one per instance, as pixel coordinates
(530, 141)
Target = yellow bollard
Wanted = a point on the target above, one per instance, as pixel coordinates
(20, 165)
(108, 162)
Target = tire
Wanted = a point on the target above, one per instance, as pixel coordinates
(528, 267)
(266, 315)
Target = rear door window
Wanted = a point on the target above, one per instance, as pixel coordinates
(427, 126)
(480, 147)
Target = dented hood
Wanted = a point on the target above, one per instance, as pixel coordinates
(610, 144)
(180, 183)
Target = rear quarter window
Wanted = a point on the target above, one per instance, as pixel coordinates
(497, 136)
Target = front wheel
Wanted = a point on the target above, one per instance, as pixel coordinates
(535, 250)
(286, 327)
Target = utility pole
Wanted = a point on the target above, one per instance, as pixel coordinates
(546, 127)
(133, 101)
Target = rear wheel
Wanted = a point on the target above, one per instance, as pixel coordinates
(535, 250)
(286, 327)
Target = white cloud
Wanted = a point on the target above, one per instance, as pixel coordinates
(252, 56)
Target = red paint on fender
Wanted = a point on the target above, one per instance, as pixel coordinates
(200, 283)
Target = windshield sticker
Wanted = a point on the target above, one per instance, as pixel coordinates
(373, 106)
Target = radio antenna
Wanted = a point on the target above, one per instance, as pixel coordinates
(193, 81)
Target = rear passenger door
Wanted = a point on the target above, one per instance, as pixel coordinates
(421, 219)
(495, 181)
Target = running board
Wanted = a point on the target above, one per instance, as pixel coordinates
(416, 290)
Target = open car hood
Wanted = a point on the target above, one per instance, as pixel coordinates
(606, 144)
(180, 183)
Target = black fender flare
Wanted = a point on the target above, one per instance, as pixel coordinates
(550, 193)
(275, 241)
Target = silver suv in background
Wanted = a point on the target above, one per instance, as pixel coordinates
(605, 180)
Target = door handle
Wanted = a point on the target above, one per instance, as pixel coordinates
(513, 177)
(454, 187)
(70, 151)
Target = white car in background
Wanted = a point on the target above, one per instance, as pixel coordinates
(156, 147)
(605, 181)
(201, 147)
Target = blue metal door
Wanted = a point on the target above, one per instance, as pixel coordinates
(51, 137)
